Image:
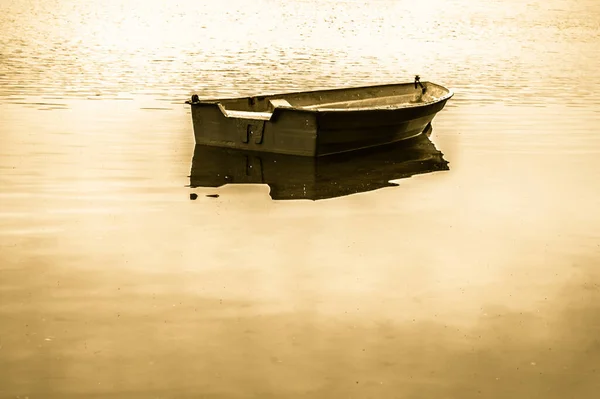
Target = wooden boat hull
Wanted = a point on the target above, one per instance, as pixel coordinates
(307, 125)
(315, 178)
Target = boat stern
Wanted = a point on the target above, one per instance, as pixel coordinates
(283, 131)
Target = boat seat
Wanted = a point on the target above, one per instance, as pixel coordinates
(263, 116)
(279, 103)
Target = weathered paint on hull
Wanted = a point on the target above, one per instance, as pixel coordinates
(310, 133)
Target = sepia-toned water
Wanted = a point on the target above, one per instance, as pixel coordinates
(481, 281)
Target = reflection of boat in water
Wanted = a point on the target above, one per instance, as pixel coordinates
(298, 177)
(322, 122)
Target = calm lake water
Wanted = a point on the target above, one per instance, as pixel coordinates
(481, 281)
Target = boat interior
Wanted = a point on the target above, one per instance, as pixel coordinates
(349, 99)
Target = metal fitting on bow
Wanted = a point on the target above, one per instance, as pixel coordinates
(418, 83)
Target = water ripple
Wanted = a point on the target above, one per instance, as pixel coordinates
(88, 49)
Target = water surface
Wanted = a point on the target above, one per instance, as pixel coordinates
(477, 281)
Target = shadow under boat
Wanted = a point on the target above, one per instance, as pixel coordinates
(298, 177)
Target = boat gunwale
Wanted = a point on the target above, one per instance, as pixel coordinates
(218, 101)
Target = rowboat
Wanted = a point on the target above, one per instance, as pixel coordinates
(315, 178)
(320, 122)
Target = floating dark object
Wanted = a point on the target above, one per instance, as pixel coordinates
(193, 196)
(299, 177)
(212, 195)
(316, 123)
